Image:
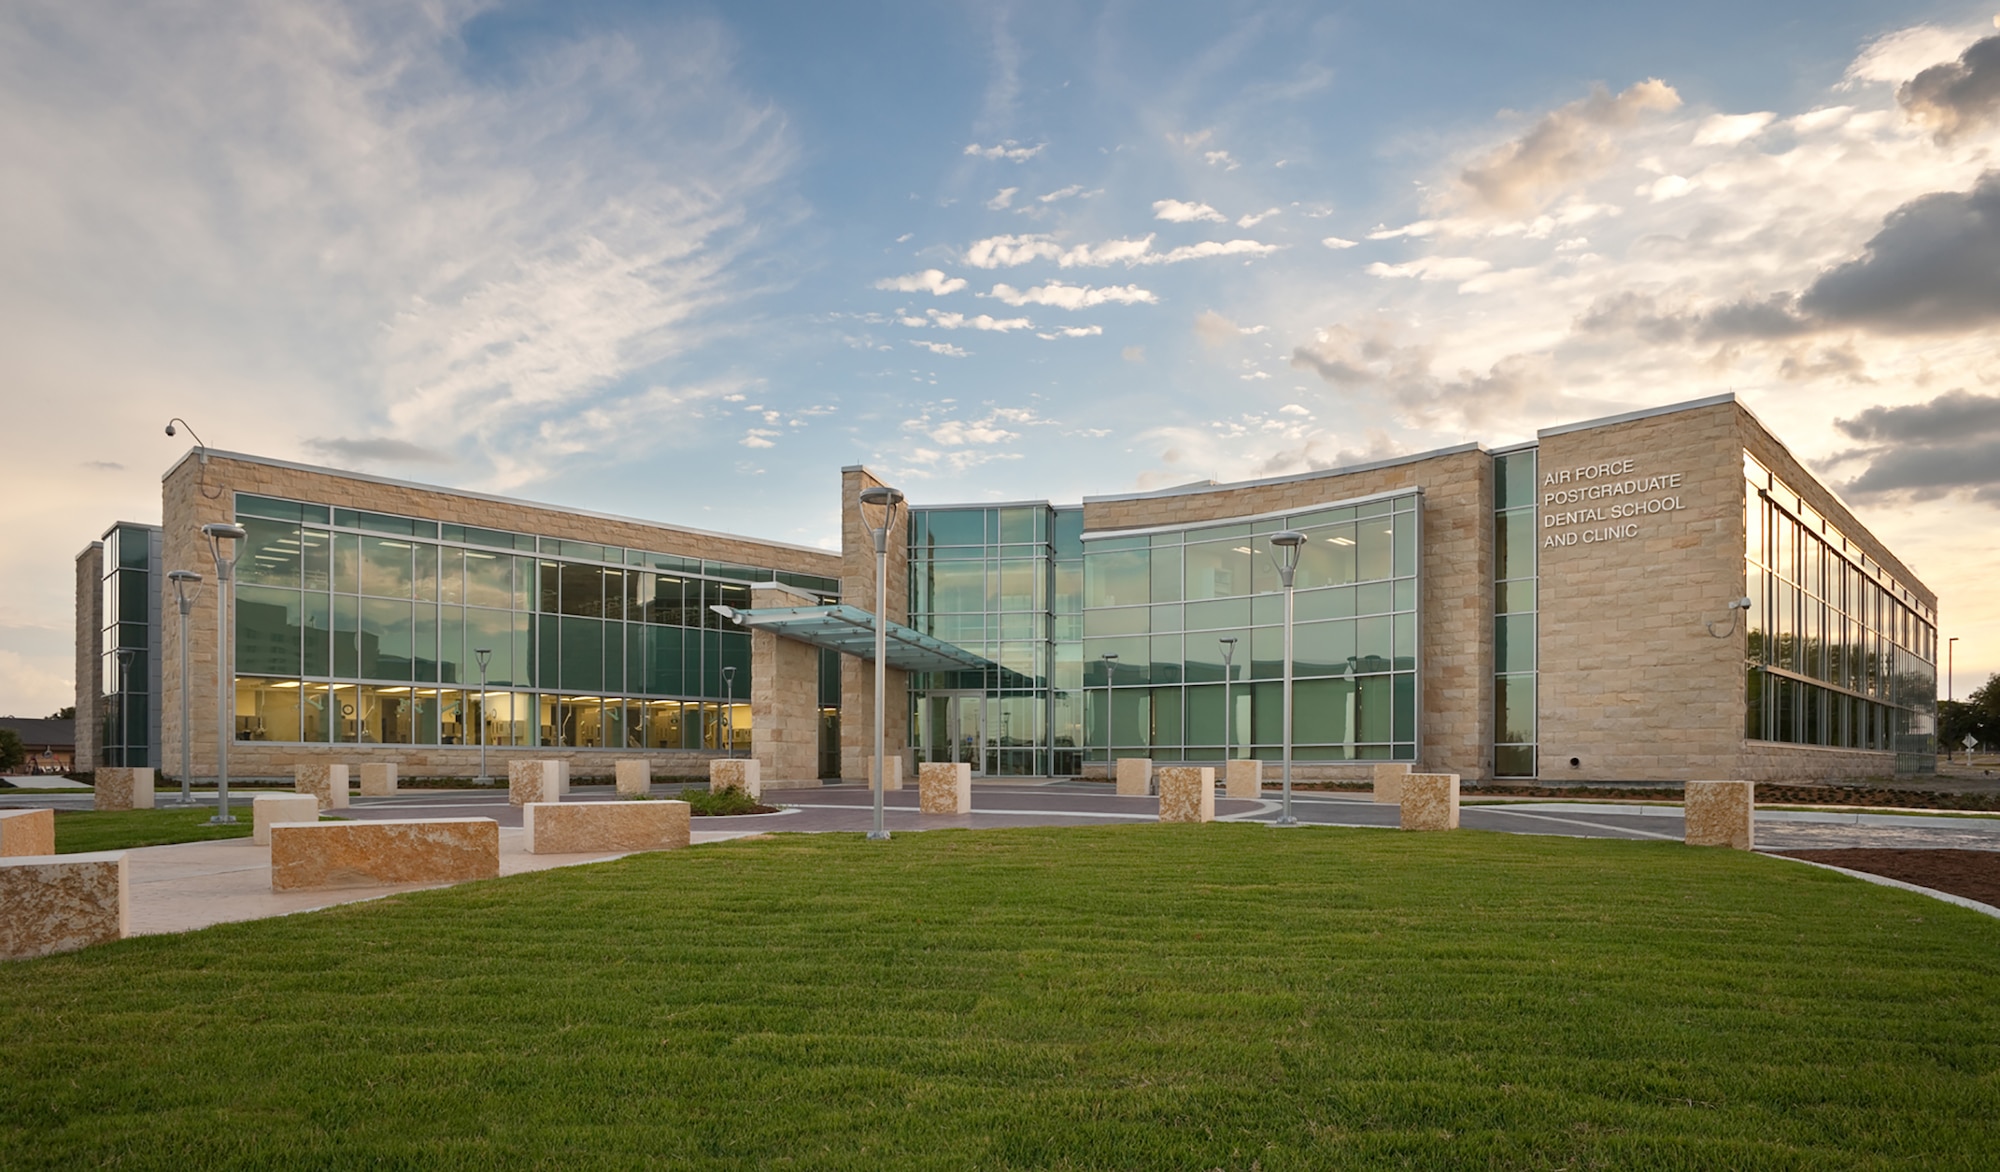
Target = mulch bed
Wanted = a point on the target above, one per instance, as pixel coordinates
(1768, 794)
(1972, 874)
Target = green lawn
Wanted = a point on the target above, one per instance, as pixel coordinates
(117, 830)
(1105, 997)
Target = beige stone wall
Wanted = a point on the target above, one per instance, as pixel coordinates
(857, 588)
(89, 655)
(1631, 683)
(1455, 619)
(784, 706)
(190, 499)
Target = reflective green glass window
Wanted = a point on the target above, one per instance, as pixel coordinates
(1204, 715)
(1115, 579)
(1217, 569)
(663, 663)
(1322, 711)
(386, 570)
(316, 558)
(1132, 717)
(1514, 709)
(267, 709)
(1406, 544)
(1514, 545)
(1336, 603)
(1267, 653)
(268, 630)
(1018, 524)
(427, 572)
(387, 637)
(1020, 583)
(1267, 722)
(317, 658)
(582, 591)
(451, 574)
(614, 657)
(549, 576)
(346, 636)
(346, 563)
(665, 607)
(1514, 479)
(582, 654)
(1374, 598)
(270, 555)
(492, 630)
(1327, 558)
(1166, 659)
(1221, 614)
(1374, 644)
(1514, 648)
(424, 652)
(454, 665)
(1128, 620)
(956, 526)
(135, 589)
(1374, 709)
(1514, 597)
(1204, 655)
(1323, 649)
(488, 579)
(1374, 555)
(1166, 718)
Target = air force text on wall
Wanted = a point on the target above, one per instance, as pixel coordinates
(1610, 498)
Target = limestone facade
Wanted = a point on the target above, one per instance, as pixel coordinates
(59, 903)
(1187, 793)
(27, 832)
(368, 854)
(569, 828)
(784, 706)
(1720, 813)
(944, 787)
(123, 788)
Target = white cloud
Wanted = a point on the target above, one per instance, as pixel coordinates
(1074, 189)
(1003, 199)
(1175, 212)
(1731, 129)
(1071, 332)
(1433, 268)
(942, 349)
(1220, 159)
(932, 281)
(1337, 242)
(1062, 296)
(959, 321)
(1213, 329)
(1902, 54)
(1293, 409)
(1252, 219)
(997, 252)
(1009, 150)
(758, 437)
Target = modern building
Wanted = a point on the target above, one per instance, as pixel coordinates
(1661, 595)
(50, 743)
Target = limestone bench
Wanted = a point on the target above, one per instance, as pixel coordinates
(27, 832)
(1243, 779)
(1389, 782)
(1135, 777)
(1187, 793)
(122, 789)
(635, 778)
(306, 855)
(1429, 801)
(267, 810)
(56, 903)
(378, 780)
(944, 787)
(735, 773)
(568, 828)
(533, 781)
(1720, 813)
(328, 783)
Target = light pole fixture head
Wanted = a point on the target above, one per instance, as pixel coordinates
(484, 655)
(187, 584)
(1286, 545)
(218, 532)
(880, 502)
(224, 530)
(729, 675)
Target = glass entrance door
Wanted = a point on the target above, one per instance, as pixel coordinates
(954, 728)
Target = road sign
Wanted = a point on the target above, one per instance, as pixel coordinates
(1969, 740)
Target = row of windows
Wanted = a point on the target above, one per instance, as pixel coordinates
(306, 711)
(1370, 718)
(307, 634)
(1336, 648)
(1795, 712)
(1516, 566)
(1239, 565)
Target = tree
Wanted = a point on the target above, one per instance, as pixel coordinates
(1986, 697)
(1978, 714)
(66, 713)
(13, 754)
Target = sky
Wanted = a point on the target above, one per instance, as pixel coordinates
(683, 261)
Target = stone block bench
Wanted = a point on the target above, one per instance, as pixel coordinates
(635, 778)
(735, 773)
(1243, 779)
(1187, 793)
(1720, 813)
(267, 810)
(1389, 783)
(123, 789)
(892, 777)
(1135, 777)
(328, 783)
(27, 832)
(572, 828)
(378, 780)
(944, 787)
(57, 903)
(307, 855)
(533, 781)
(1429, 801)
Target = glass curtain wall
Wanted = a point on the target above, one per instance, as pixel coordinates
(366, 628)
(982, 578)
(130, 592)
(1161, 602)
(1516, 586)
(1840, 653)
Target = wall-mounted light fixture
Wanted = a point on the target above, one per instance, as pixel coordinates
(1735, 604)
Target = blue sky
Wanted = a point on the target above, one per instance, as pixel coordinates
(684, 261)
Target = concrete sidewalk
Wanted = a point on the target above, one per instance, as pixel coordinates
(194, 884)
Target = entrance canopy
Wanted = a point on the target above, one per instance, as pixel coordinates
(851, 631)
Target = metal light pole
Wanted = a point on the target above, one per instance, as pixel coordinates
(124, 655)
(1110, 665)
(887, 500)
(1286, 545)
(1228, 677)
(1950, 654)
(218, 532)
(729, 711)
(187, 584)
(484, 655)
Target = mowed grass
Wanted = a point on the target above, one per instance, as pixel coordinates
(116, 830)
(1107, 997)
